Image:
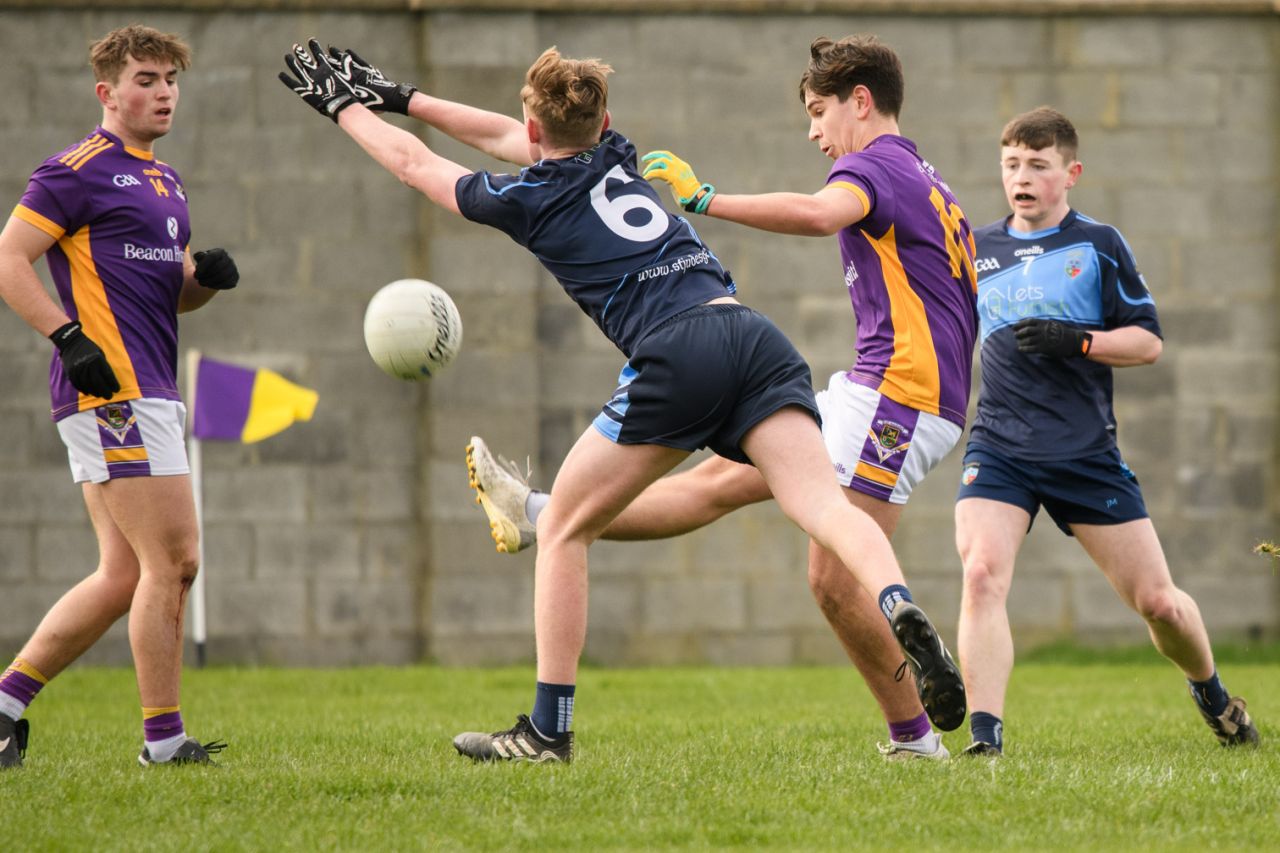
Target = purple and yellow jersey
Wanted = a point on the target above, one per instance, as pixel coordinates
(908, 265)
(120, 220)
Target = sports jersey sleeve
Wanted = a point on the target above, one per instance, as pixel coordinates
(56, 201)
(1125, 298)
(857, 175)
(500, 201)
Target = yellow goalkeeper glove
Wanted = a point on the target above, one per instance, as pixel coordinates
(677, 174)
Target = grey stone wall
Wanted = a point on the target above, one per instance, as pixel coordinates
(353, 538)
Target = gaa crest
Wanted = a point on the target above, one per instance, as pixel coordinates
(890, 439)
(116, 420)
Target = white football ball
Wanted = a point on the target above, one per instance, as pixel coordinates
(412, 329)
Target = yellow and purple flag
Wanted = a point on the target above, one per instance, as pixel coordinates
(234, 403)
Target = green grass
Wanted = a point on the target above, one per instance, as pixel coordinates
(1100, 756)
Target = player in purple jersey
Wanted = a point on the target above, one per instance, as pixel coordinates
(908, 266)
(1062, 303)
(111, 221)
(712, 374)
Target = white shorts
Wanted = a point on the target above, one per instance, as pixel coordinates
(879, 447)
(136, 438)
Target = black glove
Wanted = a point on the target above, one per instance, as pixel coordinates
(83, 362)
(1050, 337)
(371, 88)
(216, 270)
(315, 82)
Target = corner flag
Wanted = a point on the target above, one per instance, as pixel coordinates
(233, 403)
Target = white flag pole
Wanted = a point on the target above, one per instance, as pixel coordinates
(198, 626)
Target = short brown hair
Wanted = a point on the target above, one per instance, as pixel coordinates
(836, 67)
(109, 54)
(569, 97)
(1041, 128)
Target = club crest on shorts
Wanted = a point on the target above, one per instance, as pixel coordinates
(889, 439)
(970, 473)
(117, 420)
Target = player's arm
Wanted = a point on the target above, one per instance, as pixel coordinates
(21, 245)
(1127, 346)
(405, 156)
(204, 274)
(818, 215)
(499, 136)
(314, 79)
(83, 361)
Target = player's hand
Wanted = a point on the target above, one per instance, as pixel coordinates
(215, 269)
(677, 174)
(314, 80)
(1051, 337)
(371, 88)
(83, 362)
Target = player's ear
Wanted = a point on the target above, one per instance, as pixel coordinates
(533, 130)
(605, 126)
(1073, 173)
(104, 91)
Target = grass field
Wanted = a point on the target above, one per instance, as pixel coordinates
(1102, 754)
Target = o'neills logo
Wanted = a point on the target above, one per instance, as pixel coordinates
(170, 254)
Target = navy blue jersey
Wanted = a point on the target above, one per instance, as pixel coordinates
(599, 228)
(1081, 272)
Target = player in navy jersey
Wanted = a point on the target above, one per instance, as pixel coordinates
(111, 221)
(701, 371)
(888, 420)
(1061, 303)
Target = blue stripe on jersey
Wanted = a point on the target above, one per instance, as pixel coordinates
(490, 188)
(1038, 287)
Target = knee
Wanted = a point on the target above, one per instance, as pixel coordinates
(823, 580)
(984, 582)
(116, 588)
(1159, 606)
(181, 565)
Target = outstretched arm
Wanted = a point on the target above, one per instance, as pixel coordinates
(499, 136)
(494, 134)
(316, 78)
(405, 156)
(818, 215)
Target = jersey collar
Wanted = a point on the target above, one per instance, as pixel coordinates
(133, 152)
(1044, 232)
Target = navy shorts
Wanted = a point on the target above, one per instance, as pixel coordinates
(1094, 490)
(703, 378)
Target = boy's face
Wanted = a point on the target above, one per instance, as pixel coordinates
(832, 124)
(143, 99)
(1036, 183)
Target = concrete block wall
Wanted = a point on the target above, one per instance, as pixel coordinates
(353, 538)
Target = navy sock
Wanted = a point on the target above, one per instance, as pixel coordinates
(890, 596)
(1210, 695)
(987, 728)
(553, 709)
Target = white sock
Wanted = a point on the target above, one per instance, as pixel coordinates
(11, 706)
(162, 750)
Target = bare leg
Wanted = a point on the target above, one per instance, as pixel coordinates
(787, 448)
(156, 515)
(988, 536)
(681, 503)
(857, 621)
(1130, 556)
(582, 505)
(92, 606)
